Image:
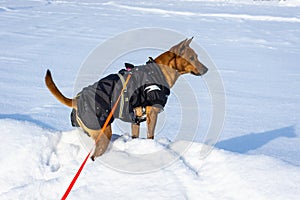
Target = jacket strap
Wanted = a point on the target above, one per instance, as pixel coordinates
(122, 100)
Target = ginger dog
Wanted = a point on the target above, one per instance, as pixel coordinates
(143, 103)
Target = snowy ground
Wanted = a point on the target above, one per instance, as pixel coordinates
(255, 45)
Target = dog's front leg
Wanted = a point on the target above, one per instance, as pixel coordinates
(151, 113)
(102, 143)
(135, 130)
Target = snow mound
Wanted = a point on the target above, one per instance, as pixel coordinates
(39, 164)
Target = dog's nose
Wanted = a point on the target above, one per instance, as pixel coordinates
(204, 70)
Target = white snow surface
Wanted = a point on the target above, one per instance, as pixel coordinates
(255, 45)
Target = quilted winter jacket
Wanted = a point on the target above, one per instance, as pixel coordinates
(146, 87)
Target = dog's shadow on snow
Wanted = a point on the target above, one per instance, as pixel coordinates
(114, 137)
(28, 118)
(252, 141)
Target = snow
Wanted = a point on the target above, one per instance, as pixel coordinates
(43, 171)
(254, 44)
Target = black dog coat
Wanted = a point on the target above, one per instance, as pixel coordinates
(146, 87)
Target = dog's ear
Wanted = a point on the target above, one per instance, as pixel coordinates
(180, 47)
(188, 42)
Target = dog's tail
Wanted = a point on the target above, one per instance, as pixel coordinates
(54, 90)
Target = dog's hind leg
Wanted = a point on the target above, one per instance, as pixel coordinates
(102, 143)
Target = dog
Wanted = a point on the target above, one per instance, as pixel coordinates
(148, 96)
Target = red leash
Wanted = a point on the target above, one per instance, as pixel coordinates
(98, 138)
(75, 177)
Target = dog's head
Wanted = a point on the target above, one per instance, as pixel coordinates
(187, 60)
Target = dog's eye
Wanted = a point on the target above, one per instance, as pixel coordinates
(192, 58)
